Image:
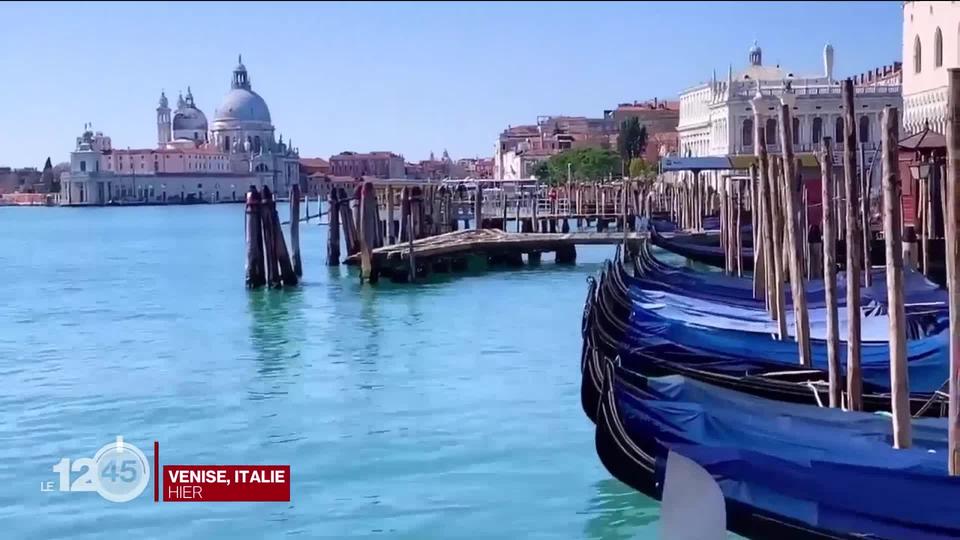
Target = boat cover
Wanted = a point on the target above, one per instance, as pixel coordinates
(833, 469)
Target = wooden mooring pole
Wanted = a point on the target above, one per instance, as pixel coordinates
(255, 272)
(287, 276)
(952, 197)
(830, 272)
(369, 229)
(295, 229)
(333, 230)
(796, 236)
(391, 225)
(854, 236)
(267, 208)
(759, 268)
(775, 281)
(892, 230)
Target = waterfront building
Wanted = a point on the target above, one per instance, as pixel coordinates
(931, 46)
(192, 161)
(520, 148)
(716, 117)
(659, 117)
(376, 164)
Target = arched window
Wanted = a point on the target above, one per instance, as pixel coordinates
(917, 57)
(817, 130)
(747, 134)
(937, 48)
(838, 132)
(771, 131)
(226, 143)
(796, 130)
(864, 129)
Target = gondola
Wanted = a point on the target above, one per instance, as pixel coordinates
(607, 308)
(794, 472)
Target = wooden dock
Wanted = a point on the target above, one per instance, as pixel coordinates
(449, 251)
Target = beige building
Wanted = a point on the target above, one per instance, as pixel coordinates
(931, 45)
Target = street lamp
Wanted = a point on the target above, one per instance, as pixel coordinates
(920, 171)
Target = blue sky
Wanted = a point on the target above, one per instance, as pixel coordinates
(406, 77)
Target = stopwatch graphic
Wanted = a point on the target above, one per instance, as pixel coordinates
(123, 472)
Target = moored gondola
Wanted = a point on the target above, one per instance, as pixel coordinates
(605, 324)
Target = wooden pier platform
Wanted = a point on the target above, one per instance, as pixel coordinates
(448, 251)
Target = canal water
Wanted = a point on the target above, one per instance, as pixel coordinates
(445, 410)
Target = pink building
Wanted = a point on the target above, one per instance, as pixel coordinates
(378, 164)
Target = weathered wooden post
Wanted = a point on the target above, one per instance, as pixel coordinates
(255, 276)
(772, 205)
(759, 250)
(925, 224)
(854, 236)
(406, 231)
(333, 230)
(738, 223)
(724, 229)
(287, 275)
(369, 228)
(952, 216)
(478, 206)
(892, 229)
(795, 234)
(867, 241)
(349, 225)
(410, 258)
(295, 229)
(391, 231)
(830, 272)
(267, 208)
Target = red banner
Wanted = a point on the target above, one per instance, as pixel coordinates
(226, 483)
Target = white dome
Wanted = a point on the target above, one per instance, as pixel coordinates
(241, 104)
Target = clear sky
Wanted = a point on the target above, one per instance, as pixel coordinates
(406, 77)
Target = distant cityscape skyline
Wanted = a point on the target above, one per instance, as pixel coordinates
(409, 78)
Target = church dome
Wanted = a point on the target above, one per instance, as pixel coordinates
(242, 104)
(189, 118)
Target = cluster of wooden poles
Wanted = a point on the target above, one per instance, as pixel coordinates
(268, 261)
(781, 257)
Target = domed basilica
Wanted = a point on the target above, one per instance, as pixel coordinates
(193, 161)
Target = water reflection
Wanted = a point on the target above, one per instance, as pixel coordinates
(618, 512)
(277, 330)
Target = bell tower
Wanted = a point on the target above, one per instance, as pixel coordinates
(163, 120)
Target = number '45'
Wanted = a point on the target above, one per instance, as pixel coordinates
(128, 471)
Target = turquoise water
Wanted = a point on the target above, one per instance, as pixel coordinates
(445, 410)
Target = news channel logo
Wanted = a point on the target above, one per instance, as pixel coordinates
(119, 472)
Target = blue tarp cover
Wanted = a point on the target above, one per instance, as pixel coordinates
(833, 469)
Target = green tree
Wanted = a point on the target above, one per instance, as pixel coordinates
(639, 168)
(584, 164)
(542, 172)
(632, 140)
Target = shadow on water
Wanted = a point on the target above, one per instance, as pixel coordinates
(276, 329)
(618, 512)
